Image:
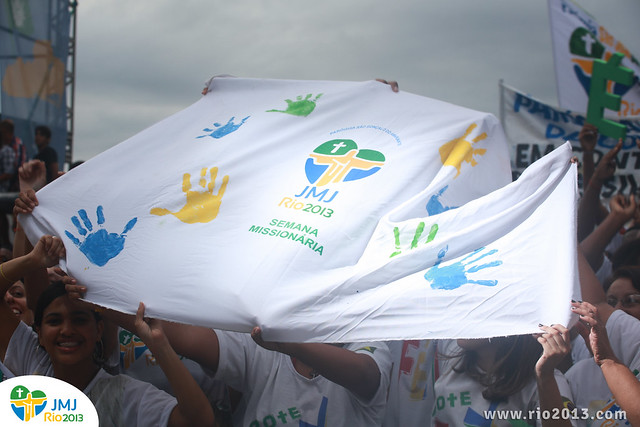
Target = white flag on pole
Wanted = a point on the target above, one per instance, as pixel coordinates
(577, 40)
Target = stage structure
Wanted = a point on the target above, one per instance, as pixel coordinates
(37, 70)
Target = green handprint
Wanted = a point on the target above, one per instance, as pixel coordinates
(299, 107)
(201, 206)
(416, 236)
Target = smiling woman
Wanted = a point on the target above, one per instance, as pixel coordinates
(70, 334)
(67, 344)
(16, 299)
(14, 308)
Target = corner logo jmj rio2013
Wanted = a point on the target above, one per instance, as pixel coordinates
(40, 400)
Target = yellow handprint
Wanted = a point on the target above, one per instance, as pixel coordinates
(201, 206)
(459, 150)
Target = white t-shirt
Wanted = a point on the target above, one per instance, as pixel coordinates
(119, 400)
(276, 394)
(579, 350)
(605, 269)
(5, 373)
(137, 361)
(587, 381)
(459, 400)
(410, 392)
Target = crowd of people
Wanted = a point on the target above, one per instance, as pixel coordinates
(141, 371)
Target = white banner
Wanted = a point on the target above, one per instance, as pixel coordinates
(320, 211)
(534, 129)
(577, 41)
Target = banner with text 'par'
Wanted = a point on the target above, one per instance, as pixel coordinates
(578, 40)
(320, 211)
(534, 129)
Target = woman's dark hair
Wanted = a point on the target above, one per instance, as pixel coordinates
(627, 254)
(631, 273)
(53, 291)
(514, 368)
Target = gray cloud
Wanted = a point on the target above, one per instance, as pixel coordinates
(141, 61)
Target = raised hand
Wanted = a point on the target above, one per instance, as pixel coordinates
(150, 330)
(623, 206)
(256, 334)
(74, 290)
(48, 251)
(201, 206)
(99, 246)
(607, 165)
(32, 175)
(593, 331)
(26, 202)
(556, 344)
(392, 83)
(588, 137)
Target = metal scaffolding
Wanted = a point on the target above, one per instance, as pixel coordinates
(47, 24)
(70, 81)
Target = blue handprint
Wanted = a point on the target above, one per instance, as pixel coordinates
(434, 206)
(455, 275)
(219, 131)
(98, 246)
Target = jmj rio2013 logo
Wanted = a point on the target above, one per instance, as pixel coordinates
(27, 404)
(39, 400)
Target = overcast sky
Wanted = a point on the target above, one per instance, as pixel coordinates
(141, 61)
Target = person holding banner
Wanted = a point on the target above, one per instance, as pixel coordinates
(47, 252)
(125, 352)
(592, 392)
(588, 138)
(594, 246)
(309, 383)
(14, 307)
(624, 385)
(66, 347)
(591, 211)
(475, 379)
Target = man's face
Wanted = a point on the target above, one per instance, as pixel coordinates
(41, 140)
